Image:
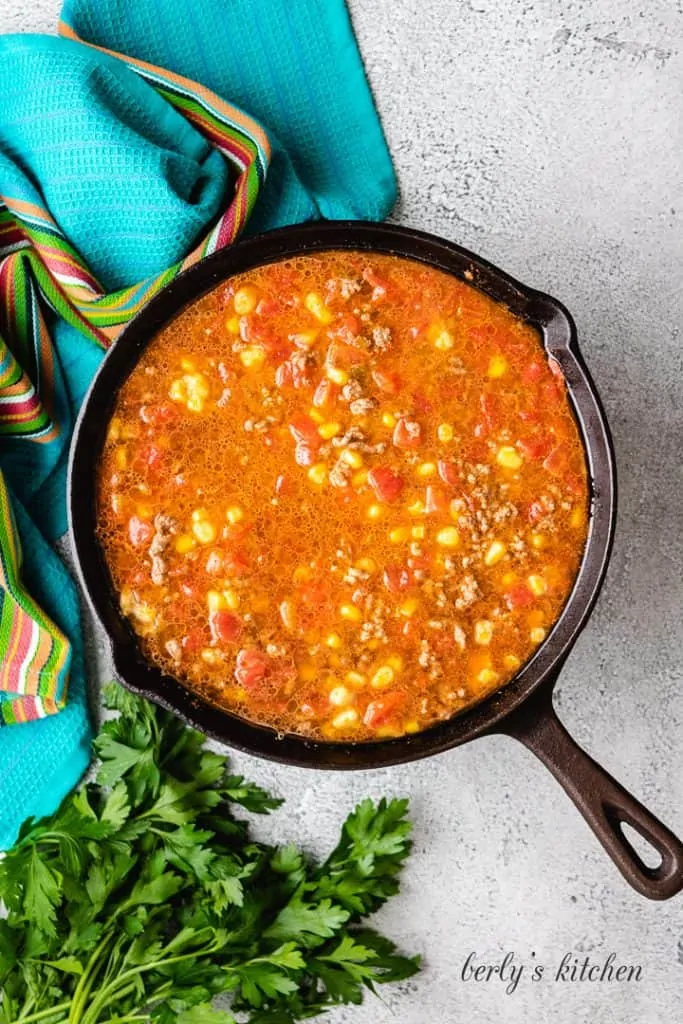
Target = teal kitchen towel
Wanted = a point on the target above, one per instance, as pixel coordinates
(97, 147)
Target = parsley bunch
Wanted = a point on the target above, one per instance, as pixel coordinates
(143, 896)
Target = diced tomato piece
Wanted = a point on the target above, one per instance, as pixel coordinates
(422, 403)
(529, 416)
(518, 596)
(346, 329)
(149, 458)
(140, 531)
(448, 472)
(154, 415)
(533, 373)
(225, 627)
(407, 434)
(304, 455)
(269, 307)
(236, 563)
(535, 447)
(491, 410)
(396, 578)
(139, 579)
(386, 484)
(325, 393)
(194, 640)
(314, 593)
(379, 284)
(556, 462)
(283, 375)
(389, 383)
(251, 668)
(379, 712)
(435, 499)
(343, 356)
(421, 563)
(304, 431)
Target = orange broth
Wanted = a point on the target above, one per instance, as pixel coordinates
(343, 495)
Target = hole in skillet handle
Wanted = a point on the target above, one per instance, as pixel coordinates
(604, 803)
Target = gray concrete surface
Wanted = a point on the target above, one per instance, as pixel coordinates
(547, 136)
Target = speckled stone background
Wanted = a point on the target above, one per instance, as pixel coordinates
(546, 135)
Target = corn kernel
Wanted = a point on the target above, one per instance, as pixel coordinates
(444, 432)
(498, 366)
(495, 552)
(388, 419)
(537, 635)
(375, 512)
(316, 415)
(195, 404)
(287, 611)
(301, 574)
(216, 601)
(356, 679)
(455, 509)
(487, 677)
(417, 508)
(337, 375)
(448, 537)
(317, 474)
(121, 457)
(444, 341)
(210, 656)
(329, 430)
(352, 458)
(232, 599)
(409, 607)
(234, 514)
(508, 457)
(350, 612)
(418, 532)
(511, 662)
(508, 578)
(345, 719)
(185, 543)
(426, 469)
(360, 478)
(399, 534)
(411, 727)
(304, 339)
(315, 305)
(387, 732)
(538, 541)
(339, 696)
(372, 644)
(395, 661)
(245, 300)
(576, 518)
(188, 365)
(252, 357)
(144, 613)
(334, 641)
(537, 585)
(178, 390)
(232, 325)
(366, 565)
(307, 672)
(384, 676)
(114, 430)
(483, 631)
(204, 531)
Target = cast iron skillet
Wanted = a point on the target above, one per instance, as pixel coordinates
(523, 708)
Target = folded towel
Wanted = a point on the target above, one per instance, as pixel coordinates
(118, 169)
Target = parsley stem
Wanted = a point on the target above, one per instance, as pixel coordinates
(42, 1014)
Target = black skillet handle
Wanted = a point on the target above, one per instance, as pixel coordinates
(603, 802)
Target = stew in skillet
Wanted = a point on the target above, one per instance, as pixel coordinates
(343, 495)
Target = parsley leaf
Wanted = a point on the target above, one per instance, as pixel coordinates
(144, 896)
